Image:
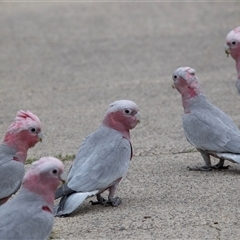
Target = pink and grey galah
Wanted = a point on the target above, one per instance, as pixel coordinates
(207, 128)
(29, 214)
(103, 159)
(21, 135)
(232, 47)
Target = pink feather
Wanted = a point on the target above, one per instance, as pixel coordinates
(23, 120)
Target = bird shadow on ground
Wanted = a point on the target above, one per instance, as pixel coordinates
(231, 170)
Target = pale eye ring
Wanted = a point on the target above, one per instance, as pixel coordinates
(175, 76)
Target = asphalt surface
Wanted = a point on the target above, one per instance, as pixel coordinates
(67, 61)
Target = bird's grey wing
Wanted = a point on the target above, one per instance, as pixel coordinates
(208, 132)
(107, 161)
(11, 175)
(218, 113)
(88, 146)
(84, 153)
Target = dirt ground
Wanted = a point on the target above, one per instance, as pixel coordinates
(67, 61)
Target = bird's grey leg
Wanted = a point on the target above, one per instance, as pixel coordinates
(100, 200)
(220, 165)
(114, 202)
(111, 200)
(206, 158)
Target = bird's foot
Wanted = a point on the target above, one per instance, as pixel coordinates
(219, 167)
(100, 200)
(114, 202)
(202, 168)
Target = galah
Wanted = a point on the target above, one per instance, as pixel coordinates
(232, 47)
(103, 159)
(29, 214)
(21, 135)
(207, 128)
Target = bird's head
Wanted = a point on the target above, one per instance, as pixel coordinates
(44, 176)
(232, 45)
(122, 115)
(186, 81)
(24, 132)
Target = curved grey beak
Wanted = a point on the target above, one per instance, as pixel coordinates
(227, 50)
(63, 177)
(138, 117)
(40, 136)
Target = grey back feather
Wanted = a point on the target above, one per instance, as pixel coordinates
(103, 157)
(208, 128)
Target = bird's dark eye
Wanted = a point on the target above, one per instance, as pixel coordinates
(127, 111)
(33, 130)
(54, 171)
(233, 42)
(175, 76)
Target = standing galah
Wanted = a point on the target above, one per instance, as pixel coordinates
(21, 135)
(29, 214)
(103, 159)
(232, 47)
(206, 127)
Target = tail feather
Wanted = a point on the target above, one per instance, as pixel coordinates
(63, 190)
(69, 203)
(235, 158)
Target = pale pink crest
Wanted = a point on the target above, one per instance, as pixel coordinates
(237, 30)
(44, 164)
(186, 73)
(23, 121)
(121, 104)
(232, 34)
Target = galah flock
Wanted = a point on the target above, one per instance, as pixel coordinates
(103, 158)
